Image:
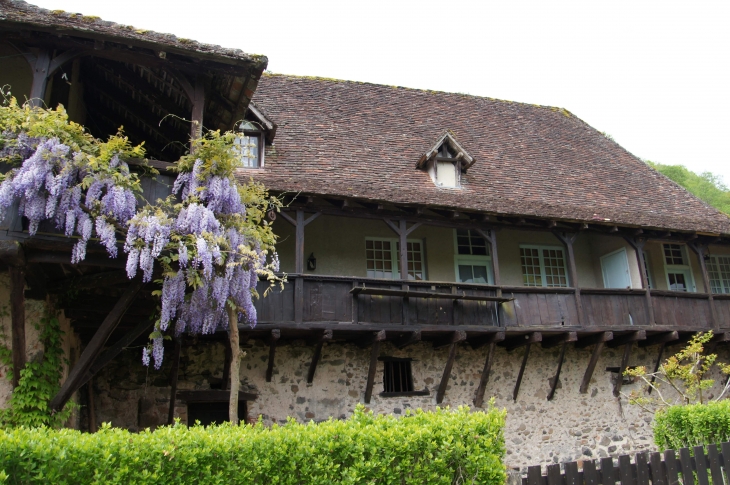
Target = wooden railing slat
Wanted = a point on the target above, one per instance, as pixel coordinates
(670, 462)
(656, 468)
(624, 470)
(685, 461)
(571, 474)
(701, 462)
(590, 475)
(642, 469)
(714, 458)
(608, 477)
(553, 475)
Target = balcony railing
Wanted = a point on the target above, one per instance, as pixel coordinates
(331, 300)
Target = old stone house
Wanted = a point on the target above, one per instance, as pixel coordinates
(542, 259)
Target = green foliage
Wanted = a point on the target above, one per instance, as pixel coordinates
(684, 374)
(441, 447)
(39, 382)
(692, 425)
(706, 186)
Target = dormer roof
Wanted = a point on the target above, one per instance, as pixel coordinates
(460, 155)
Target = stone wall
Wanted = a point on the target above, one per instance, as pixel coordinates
(572, 426)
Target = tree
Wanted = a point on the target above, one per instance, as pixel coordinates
(210, 238)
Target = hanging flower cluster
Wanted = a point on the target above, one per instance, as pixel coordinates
(211, 248)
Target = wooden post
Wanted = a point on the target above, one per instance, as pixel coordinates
(638, 245)
(599, 340)
(299, 224)
(556, 378)
(17, 316)
(319, 343)
(447, 373)
(374, 352)
(77, 376)
(40, 78)
(624, 364)
(650, 387)
(568, 241)
(173, 381)
(92, 406)
(516, 390)
(490, 235)
(273, 339)
(198, 102)
(701, 250)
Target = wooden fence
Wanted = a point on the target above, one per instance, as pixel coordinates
(702, 467)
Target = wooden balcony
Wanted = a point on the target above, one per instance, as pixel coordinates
(342, 301)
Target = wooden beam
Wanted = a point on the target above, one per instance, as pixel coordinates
(17, 317)
(556, 378)
(659, 338)
(403, 255)
(593, 339)
(299, 268)
(568, 240)
(555, 340)
(622, 369)
(173, 381)
(701, 250)
(198, 101)
(627, 338)
(479, 397)
(658, 363)
(40, 78)
(482, 340)
(518, 341)
(516, 390)
(374, 353)
(76, 376)
(592, 366)
(273, 339)
(454, 338)
(447, 373)
(638, 244)
(408, 339)
(324, 337)
(490, 235)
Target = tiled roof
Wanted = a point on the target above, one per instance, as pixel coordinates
(361, 140)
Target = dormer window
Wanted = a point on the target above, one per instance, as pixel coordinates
(446, 161)
(249, 145)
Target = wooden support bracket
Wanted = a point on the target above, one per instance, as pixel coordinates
(516, 390)
(599, 340)
(627, 338)
(482, 340)
(518, 341)
(447, 371)
(319, 342)
(659, 338)
(454, 338)
(650, 387)
(556, 378)
(593, 339)
(479, 398)
(374, 352)
(622, 369)
(272, 340)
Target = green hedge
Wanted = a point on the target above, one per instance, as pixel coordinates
(441, 447)
(692, 425)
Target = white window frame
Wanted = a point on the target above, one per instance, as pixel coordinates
(714, 260)
(259, 134)
(394, 256)
(473, 260)
(685, 269)
(541, 258)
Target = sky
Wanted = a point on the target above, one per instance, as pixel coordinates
(652, 74)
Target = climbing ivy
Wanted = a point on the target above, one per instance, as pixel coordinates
(39, 382)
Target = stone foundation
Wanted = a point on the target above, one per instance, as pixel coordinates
(572, 426)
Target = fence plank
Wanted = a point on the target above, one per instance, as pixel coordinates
(686, 461)
(571, 474)
(553, 475)
(701, 461)
(624, 470)
(534, 475)
(714, 458)
(656, 467)
(670, 462)
(726, 458)
(642, 469)
(608, 477)
(590, 475)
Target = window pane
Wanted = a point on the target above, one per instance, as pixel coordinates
(677, 282)
(673, 254)
(248, 148)
(480, 274)
(378, 259)
(718, 268)
(531, 274)
(465, 274)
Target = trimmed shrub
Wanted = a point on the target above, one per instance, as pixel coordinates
(441, 447)
(692, 425)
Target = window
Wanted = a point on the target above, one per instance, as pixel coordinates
(382, 259)
(543, 266)
(397, 376)
(678, 271)
(473, 260)
(647, 272)
(446, 168)
(718, 269)
(249, 145)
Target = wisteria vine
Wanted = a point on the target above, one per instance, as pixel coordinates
(210, 246)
